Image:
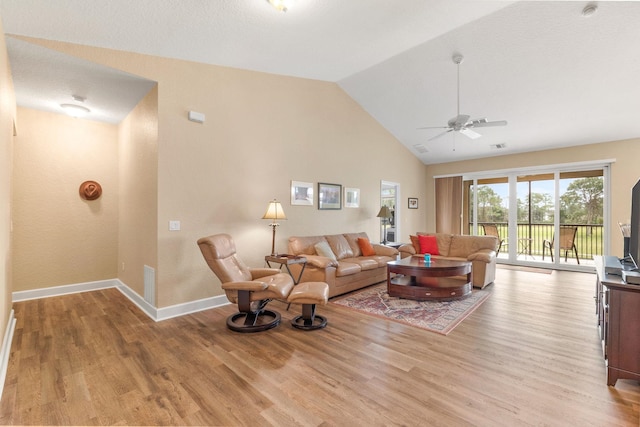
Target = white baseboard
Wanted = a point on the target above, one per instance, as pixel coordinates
(62, 290)
(5, 351)
(157, 314)
(191, 307)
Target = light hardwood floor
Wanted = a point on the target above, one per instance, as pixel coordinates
(530, 355)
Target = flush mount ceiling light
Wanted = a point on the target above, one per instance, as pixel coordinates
(589, 10)
(280, 5)
(75, 110)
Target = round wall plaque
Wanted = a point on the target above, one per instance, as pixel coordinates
(90, 190)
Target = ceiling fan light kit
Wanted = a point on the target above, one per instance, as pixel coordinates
(461, 123)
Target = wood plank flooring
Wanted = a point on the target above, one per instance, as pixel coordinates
(529, 356)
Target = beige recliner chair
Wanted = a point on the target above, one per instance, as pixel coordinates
(250, 288)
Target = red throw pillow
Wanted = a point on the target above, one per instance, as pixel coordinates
(428, 245)
(366, 247)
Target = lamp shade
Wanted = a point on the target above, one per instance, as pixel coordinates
(274, 211)
(385, 212)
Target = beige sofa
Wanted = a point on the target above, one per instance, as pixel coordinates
(479, 250)
(350, 270)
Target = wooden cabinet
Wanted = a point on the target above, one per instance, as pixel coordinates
(618, 310)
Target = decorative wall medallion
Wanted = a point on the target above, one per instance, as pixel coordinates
(90, 190)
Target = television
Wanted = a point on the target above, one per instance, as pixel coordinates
(634, 239)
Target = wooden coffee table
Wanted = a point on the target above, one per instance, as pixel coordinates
(414, 279)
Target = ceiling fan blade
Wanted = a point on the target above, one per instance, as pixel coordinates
(434, 127)
(481, 124)
(469, 133)
(439, 135)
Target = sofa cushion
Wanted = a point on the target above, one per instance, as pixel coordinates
(323, 249)
(352, 238)
(444, 241)
(365, 263)
(428, 245)
(382, 260)
(304, 245)
(347, 269)
(463, 245)
(366, 247)
(340, 246)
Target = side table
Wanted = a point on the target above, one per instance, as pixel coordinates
(287, 260)
(394, 245)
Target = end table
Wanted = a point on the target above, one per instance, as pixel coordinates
(287, 260)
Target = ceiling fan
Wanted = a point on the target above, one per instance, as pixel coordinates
(461, 122)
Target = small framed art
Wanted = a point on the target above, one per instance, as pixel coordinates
(351, 197)
(413, 203)
(329, 196)
(301, 193)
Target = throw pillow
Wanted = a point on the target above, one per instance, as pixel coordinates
(428, 245)
(416, 243)
(366, 247)
(323, 249)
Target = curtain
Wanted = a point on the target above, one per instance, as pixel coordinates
(449, 205)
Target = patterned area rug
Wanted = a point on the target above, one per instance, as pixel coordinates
(436, 316)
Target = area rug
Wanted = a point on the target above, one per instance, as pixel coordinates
(435, 316)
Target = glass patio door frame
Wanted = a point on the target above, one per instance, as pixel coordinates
(512, 238)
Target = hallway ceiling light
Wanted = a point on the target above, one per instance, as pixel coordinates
(75, 110)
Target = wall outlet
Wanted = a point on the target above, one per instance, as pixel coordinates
(174, 225)
(122, 265)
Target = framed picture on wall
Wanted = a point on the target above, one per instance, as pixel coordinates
(351, 197)
(329, 196)
(301, 193)
(413, 203)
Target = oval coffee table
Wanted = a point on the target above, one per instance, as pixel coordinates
(414, 279)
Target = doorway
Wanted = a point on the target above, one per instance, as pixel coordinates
(389, 197)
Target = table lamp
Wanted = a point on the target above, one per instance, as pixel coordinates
(385, 214)
(274, 212)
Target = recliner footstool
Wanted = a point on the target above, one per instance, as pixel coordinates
(309, 294)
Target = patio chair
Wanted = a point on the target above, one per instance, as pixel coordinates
(567, 243)
(492, 230)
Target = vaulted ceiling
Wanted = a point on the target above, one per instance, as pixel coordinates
(558, 77)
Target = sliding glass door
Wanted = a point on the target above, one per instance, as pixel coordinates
(553, 218)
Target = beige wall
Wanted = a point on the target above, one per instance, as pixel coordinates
(7, 117)
(60, 238)
(138, 192)
(261, 132)
(624, 174)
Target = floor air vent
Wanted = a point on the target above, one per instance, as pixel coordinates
(149, 285)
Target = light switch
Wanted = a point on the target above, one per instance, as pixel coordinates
(174, 225)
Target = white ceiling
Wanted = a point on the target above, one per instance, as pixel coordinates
(558, 78)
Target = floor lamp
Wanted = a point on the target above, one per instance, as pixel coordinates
(274, 213)
(385, 214)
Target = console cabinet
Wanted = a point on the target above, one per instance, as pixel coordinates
(618, 310)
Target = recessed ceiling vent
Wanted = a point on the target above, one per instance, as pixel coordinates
(421, 148)
(499, 146)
